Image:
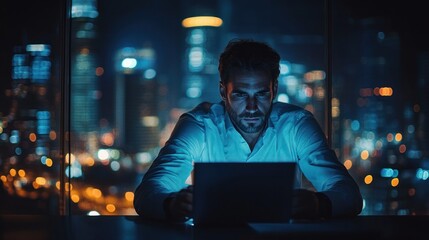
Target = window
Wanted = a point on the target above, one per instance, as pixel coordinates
(85, 112)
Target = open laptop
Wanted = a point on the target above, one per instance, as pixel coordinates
(241, 193)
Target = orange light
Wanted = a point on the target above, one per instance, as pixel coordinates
(40, 180)
(108, 139)
(96, 193)
(314, 75)
(99, 71)
(394, 182)
(377, 91)
(52, 135)
(32, 137)
(386, 91)
(84, 51)
(202, 21)
(49, 162)
(68, 186)
(389, 137)
(398, 137)
(364, 154)
(368, 179)
(402, 148)
(75, 198)
(21, 173)
(110, 208)
(129, 196)
(12, 172)
(348, 164)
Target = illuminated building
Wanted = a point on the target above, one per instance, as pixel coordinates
(137, 99)
(84, 83)
(31, 114)
(200, 81)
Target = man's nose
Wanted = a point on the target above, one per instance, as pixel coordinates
(251, 104)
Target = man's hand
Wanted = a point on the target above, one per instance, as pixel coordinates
(305, 204)
(180, 205)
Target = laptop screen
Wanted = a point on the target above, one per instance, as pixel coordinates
(232, 193)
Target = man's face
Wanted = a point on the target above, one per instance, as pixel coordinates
(248, 99)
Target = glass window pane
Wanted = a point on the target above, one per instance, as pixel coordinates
(30, 103)
(137, 65)
(380, 101)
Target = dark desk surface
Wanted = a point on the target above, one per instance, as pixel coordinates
(130, 227)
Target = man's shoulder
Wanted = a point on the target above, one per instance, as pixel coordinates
(206, 110)
(290, 111)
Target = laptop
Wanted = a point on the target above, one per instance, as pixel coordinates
(231, 193)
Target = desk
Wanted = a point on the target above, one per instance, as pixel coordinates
(130, 227)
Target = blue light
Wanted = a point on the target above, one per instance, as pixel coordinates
(43, 122)
(283, 97)
(3, 136)
(18, 151)
(422, 174)
(355, 125)
(43, 160)
(197, 37)
(410, 128)
(196, 59)
(14, 139)
(389, 172)
(149, 73)
(193, 92)
(129, 63)
(284, 67)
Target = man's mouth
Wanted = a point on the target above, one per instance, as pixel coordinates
(251, 119)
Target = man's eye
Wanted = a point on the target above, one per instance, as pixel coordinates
(240, 95)
(263, 94)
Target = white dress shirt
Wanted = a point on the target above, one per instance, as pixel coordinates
(206, 134)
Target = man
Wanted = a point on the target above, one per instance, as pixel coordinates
(248, 125)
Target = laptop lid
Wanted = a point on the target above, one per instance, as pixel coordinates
(241, 193)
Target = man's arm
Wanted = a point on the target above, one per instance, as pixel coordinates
(169, 171)
(337, 190)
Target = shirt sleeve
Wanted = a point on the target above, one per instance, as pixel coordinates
(171, 168)
(322, 168)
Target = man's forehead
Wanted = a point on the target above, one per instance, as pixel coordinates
(250, 80)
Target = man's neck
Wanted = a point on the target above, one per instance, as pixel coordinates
(251, 138)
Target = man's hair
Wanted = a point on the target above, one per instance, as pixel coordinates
(246, 55)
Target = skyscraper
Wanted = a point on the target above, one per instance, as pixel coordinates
(84, 85)
(137, 99)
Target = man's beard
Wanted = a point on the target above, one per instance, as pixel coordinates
(247, 127)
